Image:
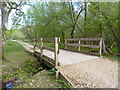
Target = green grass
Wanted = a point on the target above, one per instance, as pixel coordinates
(12, 46)
(16, 56)
(18, 64)
(114, 56)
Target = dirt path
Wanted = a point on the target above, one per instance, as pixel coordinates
(99, 73)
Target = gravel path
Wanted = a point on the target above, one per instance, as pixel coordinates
(96, 73)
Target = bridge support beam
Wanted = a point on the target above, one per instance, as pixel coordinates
(79, 45)
(56, 51)
(100, 51)
(57, 74)
(65, 44)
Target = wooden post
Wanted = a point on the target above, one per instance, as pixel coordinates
(65, 44)
(56, 51)
(57, 74)
(41, 47)
(79, 46)
(100, 47)
(34, 44)
(59, 39)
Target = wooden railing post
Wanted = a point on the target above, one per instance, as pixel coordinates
(100, 47)
(56, 52)
(41, 47)
(65, 44)
(34, 44)
(79, 45)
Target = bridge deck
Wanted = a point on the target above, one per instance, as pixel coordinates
(68, 57)
(64, 57)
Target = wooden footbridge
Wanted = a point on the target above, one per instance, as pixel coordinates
(55, 57)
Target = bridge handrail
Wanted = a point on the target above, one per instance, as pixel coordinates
(55, 50)
(84, 39)
(84, 45)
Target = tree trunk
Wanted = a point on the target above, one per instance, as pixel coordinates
(4, 22)
(75, 22)
(63, 36)
(101, 33)
(85, 15)
(72, 32)
(116, 37)
(0, 34)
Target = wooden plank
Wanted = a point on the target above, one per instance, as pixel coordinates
(82, 45)
(63, 77)
(56, 51)
(90, 46)
(48, 63)
(71, 39)
(65, 44)
(48, 40)
(49, 59)
(84, 39)
(90, 39)
(100, 47)
(49, 48)
(79, 46)
(82, 52)
(41, 47)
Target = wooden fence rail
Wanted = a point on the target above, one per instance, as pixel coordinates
(49, 48)
(85, 45)
(84, 39)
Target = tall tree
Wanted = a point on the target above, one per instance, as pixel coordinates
(6, 8)
(0, 33)
(85, 17)
(75, 18)
(101, 31)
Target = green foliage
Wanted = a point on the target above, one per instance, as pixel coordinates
(64, 84)
(25, 72)
(52, 71)
(18, 35)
